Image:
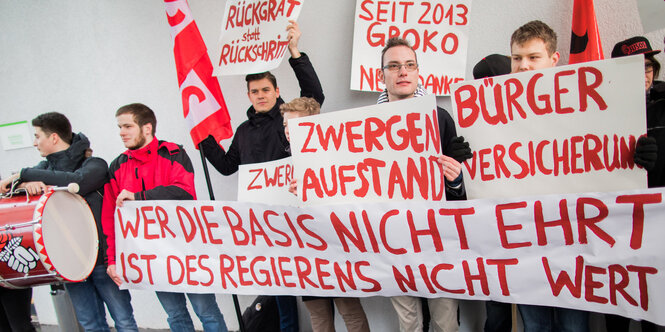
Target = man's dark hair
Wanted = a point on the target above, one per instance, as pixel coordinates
(393, 42)
(532, 30)
(260, 76)
(54, 122)
(142, 115)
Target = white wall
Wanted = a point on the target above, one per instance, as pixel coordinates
(86, 58)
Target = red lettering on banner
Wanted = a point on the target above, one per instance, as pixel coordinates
(503, 228)
(257, 229)
(132, 261)
(481, 276)
(127, 227)
(638, 202)
(432, 231)
(471, 100)
(567, 154)
(371, 76)
(170, 260)
(563, 223)
(225, 270)
(459, 223)
(303, 270)
(318, 263)
(584, 222)
(242, 271)
(383, 233)
(309, 136)
(287, 239)
(252, 185)
(584, 281)
(322, 246)
(236, 229)
(501, 272)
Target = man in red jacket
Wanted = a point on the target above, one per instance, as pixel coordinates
(153, 170)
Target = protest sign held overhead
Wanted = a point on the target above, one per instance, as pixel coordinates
(560, 130)
(597, 252)
(267, 182)
(375, 153)
(253, 36)
(437, 30)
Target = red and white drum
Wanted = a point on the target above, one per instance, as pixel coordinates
(46, 239)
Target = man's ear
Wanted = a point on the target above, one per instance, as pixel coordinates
(555, 58)
(54, 138)
(277, 91)
(380, 76)
(147, 129)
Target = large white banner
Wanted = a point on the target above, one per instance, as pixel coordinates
(601, 252)
(267, 182)
(438, 30)
(375, 153)
(559, 130)
(253, 38)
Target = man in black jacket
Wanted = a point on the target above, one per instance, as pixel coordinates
(68, 161)
(261, 138)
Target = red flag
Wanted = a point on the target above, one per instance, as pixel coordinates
(585, 40)
(203, 104)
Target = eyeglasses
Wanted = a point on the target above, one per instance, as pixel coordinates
(395, 67)
(648, 67)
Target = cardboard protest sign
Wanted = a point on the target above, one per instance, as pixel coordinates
(267, 182)
(600, 252)
(437, 30)
(254, 37)
(374, 153)
(559, 130)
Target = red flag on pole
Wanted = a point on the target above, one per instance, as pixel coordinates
(203, 104)
(585, 41)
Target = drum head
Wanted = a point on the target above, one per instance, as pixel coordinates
(70, 235)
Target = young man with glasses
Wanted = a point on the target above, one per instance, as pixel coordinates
(399, 73)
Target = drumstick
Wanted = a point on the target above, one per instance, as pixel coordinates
(72, 188)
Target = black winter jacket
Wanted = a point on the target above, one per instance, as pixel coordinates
(656, 129)
(261, 138)
(71, 166)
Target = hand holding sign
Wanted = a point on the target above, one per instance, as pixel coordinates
(293, 37)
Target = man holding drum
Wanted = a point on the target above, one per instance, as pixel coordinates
(68, 160)
(154, 170)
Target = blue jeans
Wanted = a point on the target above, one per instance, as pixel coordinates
(288, 313)
(89, 296)
(205, 307)
(544, 319)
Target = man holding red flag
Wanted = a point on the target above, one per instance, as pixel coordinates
(261, 138)
(203, 104)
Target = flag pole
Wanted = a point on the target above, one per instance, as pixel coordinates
(236, 304)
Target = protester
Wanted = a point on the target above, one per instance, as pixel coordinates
(261, 138)
(68, 161)
(399, 73)
(321, 308)
(499, 315)
(647, 154)
(154, 170)
(533, 47)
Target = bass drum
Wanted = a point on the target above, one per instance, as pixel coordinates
(47, 239)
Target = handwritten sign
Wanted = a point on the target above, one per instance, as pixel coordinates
(253, 37)
(374, 153)
(437, 30)
(267, 182)
(560, 130)
(600, 252)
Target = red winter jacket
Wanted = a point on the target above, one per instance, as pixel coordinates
(159, 171)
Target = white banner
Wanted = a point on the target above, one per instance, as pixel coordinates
(374, 153)
(560, 130)
(437, 30)
(267, 182)
(253, 38)
(598, 251)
